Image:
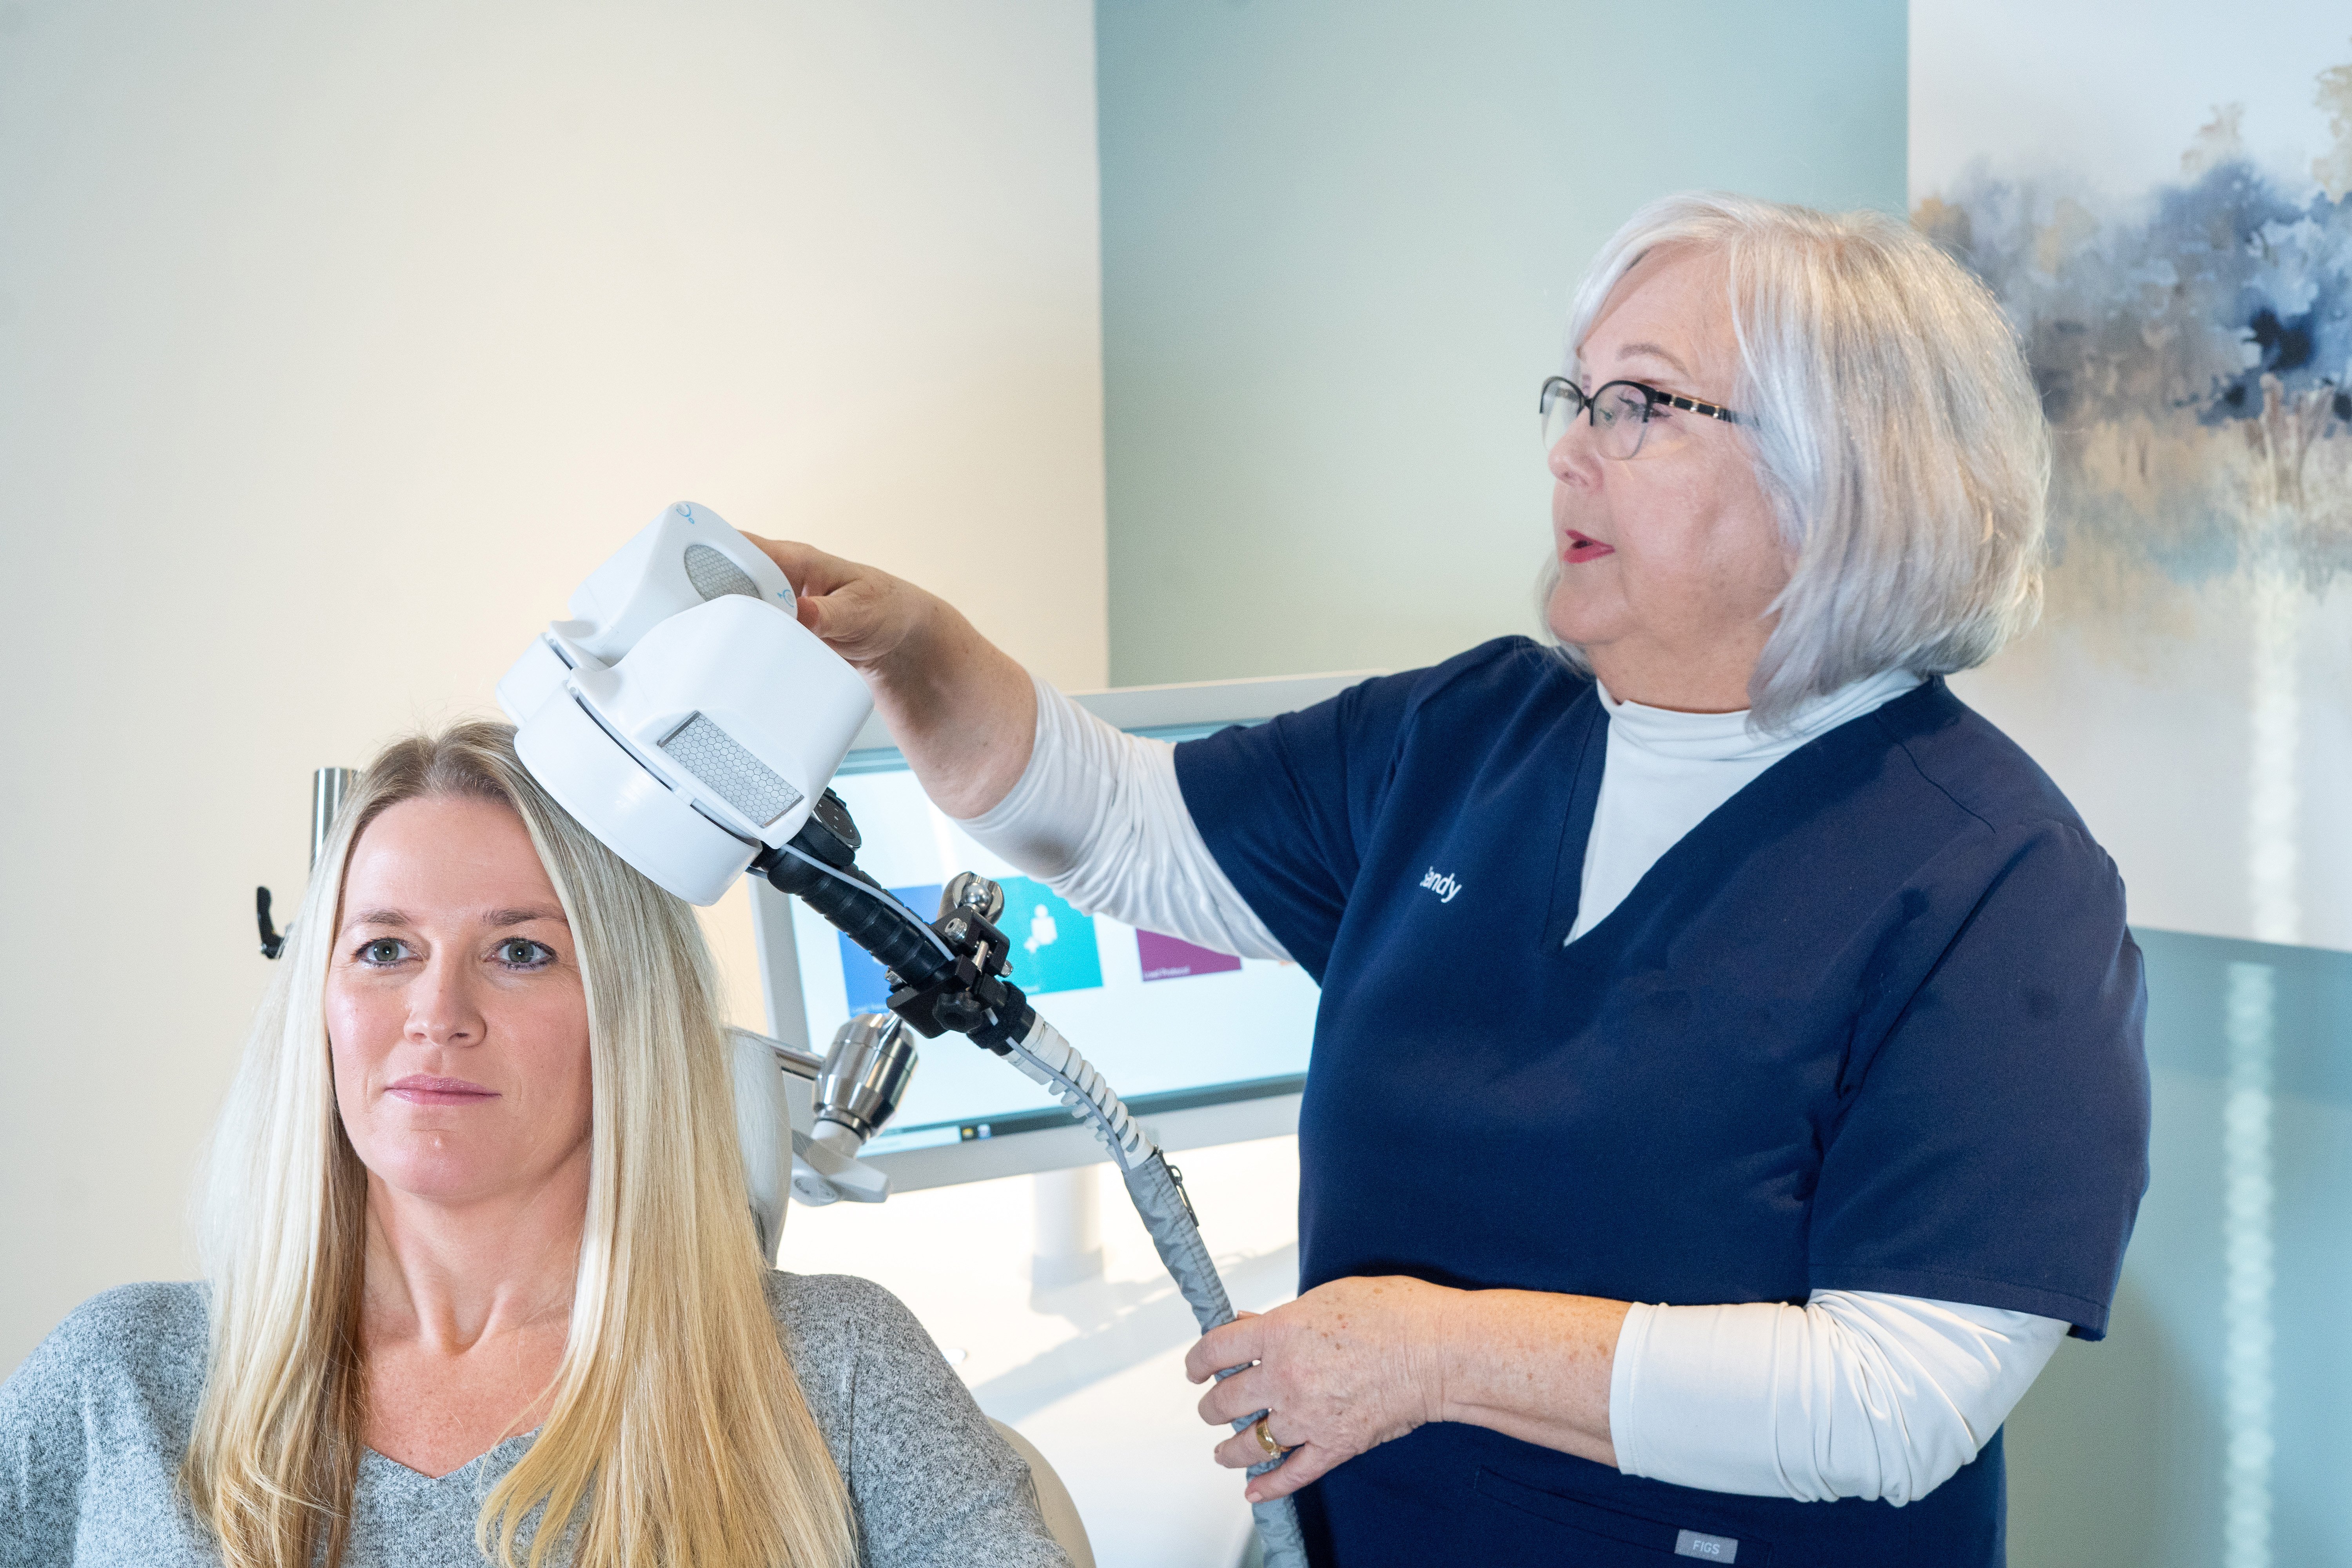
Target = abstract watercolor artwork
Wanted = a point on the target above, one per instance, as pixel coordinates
(2164, 211)
(2195, 357)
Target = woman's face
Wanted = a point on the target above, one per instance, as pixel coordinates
(1668, 558)
(455, 1009)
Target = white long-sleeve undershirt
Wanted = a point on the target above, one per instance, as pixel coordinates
(1857, 1393)
(1098, 817)
(1666, 771)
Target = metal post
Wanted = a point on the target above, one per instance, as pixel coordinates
(1069, 1228)
(330, 787)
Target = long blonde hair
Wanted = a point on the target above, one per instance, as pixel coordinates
(677, 1434)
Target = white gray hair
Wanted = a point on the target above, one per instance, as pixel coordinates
(1894, 425)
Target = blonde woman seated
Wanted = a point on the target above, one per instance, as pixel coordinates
(480, 1259)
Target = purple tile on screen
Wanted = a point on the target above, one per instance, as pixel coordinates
(1166, 958)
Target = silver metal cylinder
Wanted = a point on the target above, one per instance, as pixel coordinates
(330, 787)
(865, 1074)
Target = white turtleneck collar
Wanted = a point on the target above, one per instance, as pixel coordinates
(1666, 772)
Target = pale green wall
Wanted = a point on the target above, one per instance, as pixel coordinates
(1337, 245)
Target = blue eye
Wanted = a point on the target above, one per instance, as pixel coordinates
(521, 952)
(383, 950)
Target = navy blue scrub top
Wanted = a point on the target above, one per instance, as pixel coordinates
(1873, 1025)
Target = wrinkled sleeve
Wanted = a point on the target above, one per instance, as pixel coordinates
(1993, 1143)
(1855, 1394)
(1097, 815)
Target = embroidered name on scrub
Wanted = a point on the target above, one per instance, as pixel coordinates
(1444, 886)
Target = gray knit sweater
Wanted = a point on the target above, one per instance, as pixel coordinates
(94, 1425)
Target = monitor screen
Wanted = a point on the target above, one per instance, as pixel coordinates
(1155, 1015)
(1214, 1046)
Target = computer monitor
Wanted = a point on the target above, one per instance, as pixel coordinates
(1204, 1047)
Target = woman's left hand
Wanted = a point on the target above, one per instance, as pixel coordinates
(1345, 1368)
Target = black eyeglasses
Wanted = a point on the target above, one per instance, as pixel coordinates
(1620, 412)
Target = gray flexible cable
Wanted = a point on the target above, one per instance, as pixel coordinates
(1159, 1195)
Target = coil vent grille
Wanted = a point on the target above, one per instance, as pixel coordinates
(740, 779)
(714, 576)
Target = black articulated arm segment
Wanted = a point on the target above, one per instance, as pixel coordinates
(945, 977)
(869, 915)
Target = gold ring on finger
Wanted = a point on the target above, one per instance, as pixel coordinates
(1273, 1451)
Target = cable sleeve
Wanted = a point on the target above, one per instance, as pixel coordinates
(1159, 1195)
(1159, 1200)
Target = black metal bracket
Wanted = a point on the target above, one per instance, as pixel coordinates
(962, 997)
(273, 941)
(947, 976)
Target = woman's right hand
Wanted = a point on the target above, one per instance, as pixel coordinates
(960, 708)
(863, 613)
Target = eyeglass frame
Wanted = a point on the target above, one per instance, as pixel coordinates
(1650, 397)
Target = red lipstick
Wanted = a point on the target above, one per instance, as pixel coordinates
(423, 1089)
(1581, 547)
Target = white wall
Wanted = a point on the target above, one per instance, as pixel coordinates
(337, 343)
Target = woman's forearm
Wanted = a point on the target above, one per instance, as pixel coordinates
(1531, 1365)
(1857, 1394)
(960, 708)
(1363, 1361)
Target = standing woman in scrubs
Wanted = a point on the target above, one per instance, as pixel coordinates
(1727, 1087)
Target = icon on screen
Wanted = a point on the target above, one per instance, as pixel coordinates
(1168, 958)
(1053, 944)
